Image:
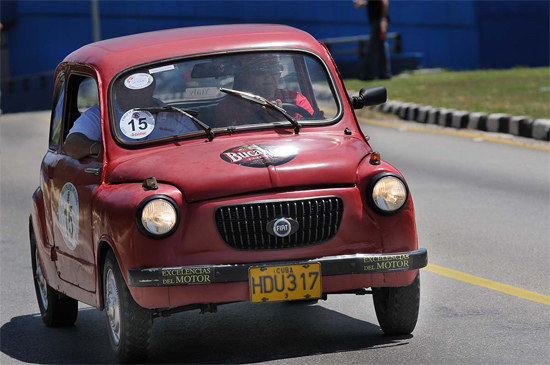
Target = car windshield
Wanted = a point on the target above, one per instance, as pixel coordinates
(219, 92)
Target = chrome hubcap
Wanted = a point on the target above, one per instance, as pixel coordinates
(112, 305)
(42, 286)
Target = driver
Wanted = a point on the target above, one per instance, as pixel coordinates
(84, 138)
(259, 75)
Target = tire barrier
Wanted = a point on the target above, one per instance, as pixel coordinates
(460, 119)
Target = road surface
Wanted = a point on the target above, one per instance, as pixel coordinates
(483, 213)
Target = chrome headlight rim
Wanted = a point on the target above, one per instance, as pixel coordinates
(370, 190)
(139, 214)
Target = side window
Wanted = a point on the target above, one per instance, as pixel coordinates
(57, 116)
(87, 94)
(323, 95)
(82, 95)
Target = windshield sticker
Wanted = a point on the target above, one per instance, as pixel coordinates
(68, 215)
(201, 93)
(258, 155)
(161, 69)
(138, 81)
(136, 124)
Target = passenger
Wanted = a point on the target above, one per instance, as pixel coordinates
(259, 75)
(84, 138)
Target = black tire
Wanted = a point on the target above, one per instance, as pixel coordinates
(56, 309)
(129, 335)
(397, 308)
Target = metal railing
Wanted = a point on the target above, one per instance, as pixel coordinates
(27, 92)
(362, 44)
(27, 82)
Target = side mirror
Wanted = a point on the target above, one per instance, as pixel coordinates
(369, 96)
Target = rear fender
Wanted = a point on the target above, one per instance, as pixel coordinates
(37, 228)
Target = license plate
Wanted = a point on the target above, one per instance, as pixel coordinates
(285, 282)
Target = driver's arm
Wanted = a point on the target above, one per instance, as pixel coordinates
(304, 103)
(77, 146)
(84, 138)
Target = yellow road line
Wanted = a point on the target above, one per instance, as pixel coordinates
(475, 280)
(452, 133)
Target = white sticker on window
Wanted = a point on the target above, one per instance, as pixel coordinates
(201, 93)
(163, 68)
(138, 81)
(68, 212)
(136, 124)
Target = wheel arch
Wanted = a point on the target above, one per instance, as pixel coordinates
(48, 266)
(37, 218)
(105, 245)
(103, 249)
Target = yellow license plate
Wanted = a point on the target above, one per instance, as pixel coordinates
(286, 282)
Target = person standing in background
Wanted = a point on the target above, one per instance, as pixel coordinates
(378, 56)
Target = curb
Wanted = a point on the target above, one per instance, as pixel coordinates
(501, 123)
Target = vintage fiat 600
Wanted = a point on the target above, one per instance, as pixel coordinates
(215, 165)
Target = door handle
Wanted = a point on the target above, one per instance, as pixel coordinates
(95, 171)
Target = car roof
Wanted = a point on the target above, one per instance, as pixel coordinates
(111, 56)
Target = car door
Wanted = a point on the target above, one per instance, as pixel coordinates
(73, 186)
(51, 158)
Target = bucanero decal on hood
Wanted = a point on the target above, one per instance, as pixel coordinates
(259, 155)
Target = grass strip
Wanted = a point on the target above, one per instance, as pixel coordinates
(517, 91)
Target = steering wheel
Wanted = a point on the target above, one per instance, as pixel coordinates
(293, 108)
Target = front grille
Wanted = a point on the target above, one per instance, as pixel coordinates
(243, 226)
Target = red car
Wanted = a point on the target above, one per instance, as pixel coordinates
(194, 167)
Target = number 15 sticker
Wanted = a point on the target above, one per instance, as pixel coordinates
(137, 124)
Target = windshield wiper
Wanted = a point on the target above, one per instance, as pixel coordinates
(187, 113)
(264, 102)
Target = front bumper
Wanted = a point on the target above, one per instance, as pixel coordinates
(330, 266)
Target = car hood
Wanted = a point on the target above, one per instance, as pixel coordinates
(231, 165)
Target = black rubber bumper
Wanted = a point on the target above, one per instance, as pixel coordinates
(330, 266)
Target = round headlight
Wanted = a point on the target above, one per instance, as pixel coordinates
(389, 194)
(158, 216)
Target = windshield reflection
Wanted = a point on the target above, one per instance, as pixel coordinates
(295, 85)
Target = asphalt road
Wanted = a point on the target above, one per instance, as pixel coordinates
(483, 209)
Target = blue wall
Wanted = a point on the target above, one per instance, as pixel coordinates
(514, 33)
(445, 31)
(462, 34)
(465, 34)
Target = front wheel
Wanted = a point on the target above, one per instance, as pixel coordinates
(56, 309)
(128, 324)
(397, 308)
